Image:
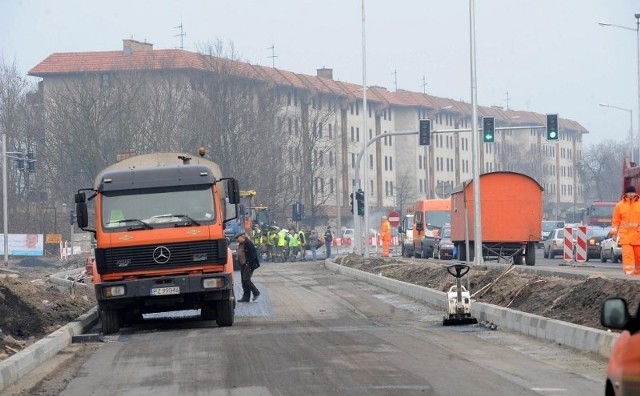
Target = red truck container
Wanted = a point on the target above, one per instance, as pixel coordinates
(511, 210)
(630, 175)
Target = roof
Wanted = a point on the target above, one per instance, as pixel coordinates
(176, 59)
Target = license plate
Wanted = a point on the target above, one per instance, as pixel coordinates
(165, 291)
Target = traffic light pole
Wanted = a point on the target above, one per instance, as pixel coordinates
(357, 231)
(358, 185)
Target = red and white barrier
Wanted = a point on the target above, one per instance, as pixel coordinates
(581, 244)
(568, 244)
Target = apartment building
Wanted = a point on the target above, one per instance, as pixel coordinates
(399, 169)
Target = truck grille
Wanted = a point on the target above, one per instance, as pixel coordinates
(170, 255)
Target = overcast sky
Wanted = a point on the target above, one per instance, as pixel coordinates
(551, 56)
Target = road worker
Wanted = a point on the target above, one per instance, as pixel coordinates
(385, 235)
(626, 223)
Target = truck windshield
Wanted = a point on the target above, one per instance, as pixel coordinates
(548, 226)
(601, 210)
(438, 218)
(157, 206)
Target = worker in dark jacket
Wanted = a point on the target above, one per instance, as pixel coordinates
(248, 259)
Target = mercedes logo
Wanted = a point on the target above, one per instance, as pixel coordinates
(161, 254)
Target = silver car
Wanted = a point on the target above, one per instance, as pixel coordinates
(610, 249)
(554, 244)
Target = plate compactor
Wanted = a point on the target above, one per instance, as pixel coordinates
(459, 299)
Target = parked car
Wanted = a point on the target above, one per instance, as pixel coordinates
(554, 244)
(623, 369)
(595, 236)
(443, 247)
(547, 227)
(610, 249)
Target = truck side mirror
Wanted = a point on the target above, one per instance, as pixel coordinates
(81, 214)
(233, 191)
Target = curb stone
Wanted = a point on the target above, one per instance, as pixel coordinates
(575, 336)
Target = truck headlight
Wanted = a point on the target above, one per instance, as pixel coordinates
(114, 291)
(212, 283)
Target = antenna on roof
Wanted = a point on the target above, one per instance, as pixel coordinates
(182, 34)
(424, 84)
(507, 96)
(273, 55)
(395, 79)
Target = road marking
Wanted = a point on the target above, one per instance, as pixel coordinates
(546, 390)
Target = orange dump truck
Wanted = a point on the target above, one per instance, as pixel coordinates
(159, 228)
(511, 217)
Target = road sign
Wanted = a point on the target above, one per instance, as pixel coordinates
(581, 244)
(568, 244)
(394, 219)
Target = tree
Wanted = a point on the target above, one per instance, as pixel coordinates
(600, 169)
(18, 121)
(406, 192)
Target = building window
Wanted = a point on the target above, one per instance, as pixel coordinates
(330, 131)
(358, 134)
(353, 135)
(353, 160)
(370, 161)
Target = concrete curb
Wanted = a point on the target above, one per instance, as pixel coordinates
(575, 336)
(20, 364)
(23, 362)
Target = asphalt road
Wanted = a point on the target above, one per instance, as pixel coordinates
(313, 332)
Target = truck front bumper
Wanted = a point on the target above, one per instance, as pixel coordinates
(208, 285)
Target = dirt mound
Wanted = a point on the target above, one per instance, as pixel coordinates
(570, 300)
(32, 307)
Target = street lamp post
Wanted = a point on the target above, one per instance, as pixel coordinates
(631, 140)
(428, 154)
(637, 30)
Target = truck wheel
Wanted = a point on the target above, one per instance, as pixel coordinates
(417, 254)
(109, 319)
(552, 255)
(614, 259)
(207, 311)
(462, 252)
(224, 310)
(530, 254)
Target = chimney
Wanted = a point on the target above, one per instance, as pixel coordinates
(325, 73)
(129, 46)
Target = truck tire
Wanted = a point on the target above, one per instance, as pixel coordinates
(614, 259)
(207, 311)
(417, 254)
(552, 255)
(110, 320)
(530, 254)
(462, 252)
(224, 310)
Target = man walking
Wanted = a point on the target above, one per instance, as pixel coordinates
(248, 258)
(328, 238)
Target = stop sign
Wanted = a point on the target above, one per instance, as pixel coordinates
(394, 219)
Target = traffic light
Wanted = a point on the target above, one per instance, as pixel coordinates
(360, 202)
(31, 162)
(552, 127)
(351, 202)
(488, 129)
(425, 132)
(297, 211)
(20, 161)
